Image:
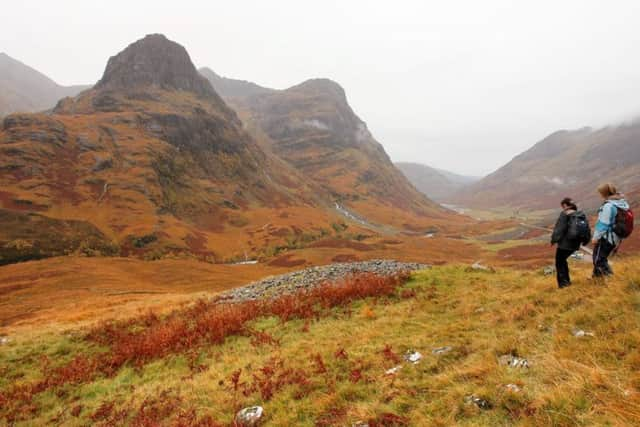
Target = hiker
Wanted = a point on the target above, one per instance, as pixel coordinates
(570, 231)
(605, 239)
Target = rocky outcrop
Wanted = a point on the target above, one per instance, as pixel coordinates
(154, 61)
(315, 276)
(37, 128)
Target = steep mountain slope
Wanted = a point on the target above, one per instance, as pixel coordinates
(313, 128)
(23, 89)
(566, 163)
(156, 160)
(435, 183)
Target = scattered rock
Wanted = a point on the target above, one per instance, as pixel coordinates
(249, 417)
(412, 356)
(513, 361)
(102, 164)
(476, 266)
(549, 270)
(310, 278)
(579, 333)
(578, 255)
(393, 370)
(85, 144)
(480, 402)
(441, 350)
(513, 388)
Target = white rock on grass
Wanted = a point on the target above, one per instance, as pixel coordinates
(579, 333)
(438, 351)
(549, 270)
(412, 356)
(513, 361)
(513, 388)
(476, 266)
(393, 370)
(480, 402)
(4, 340)
(249, 417)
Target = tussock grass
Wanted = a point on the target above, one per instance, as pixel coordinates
(328, 367)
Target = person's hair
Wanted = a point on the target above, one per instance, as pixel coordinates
(607, 190)
(568, 201)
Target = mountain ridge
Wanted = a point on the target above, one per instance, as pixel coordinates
(157, 161)
(312, 127)
(437, 184)
(25, 89)
(565, 163)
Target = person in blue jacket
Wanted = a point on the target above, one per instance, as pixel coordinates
(604, 239)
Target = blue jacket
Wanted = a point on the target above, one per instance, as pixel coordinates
(607, 218)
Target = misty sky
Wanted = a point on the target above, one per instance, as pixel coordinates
(461, 85)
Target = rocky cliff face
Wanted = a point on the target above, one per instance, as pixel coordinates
(313, 128)
(154, 61)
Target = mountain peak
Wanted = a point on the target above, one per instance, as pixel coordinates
(154, 61)
(321, 85)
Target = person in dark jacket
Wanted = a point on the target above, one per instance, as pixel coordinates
(565, 247)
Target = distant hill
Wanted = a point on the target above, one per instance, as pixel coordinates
(436, 184)
(23, 89)
(566, 163)
(313, 128)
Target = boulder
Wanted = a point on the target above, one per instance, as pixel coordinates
(249, 417)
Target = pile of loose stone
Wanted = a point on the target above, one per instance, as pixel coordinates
(311, 277)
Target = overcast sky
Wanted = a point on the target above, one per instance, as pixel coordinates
(461, 85)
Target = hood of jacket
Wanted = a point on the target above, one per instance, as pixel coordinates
(619, 202)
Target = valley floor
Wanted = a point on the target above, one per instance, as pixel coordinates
(330, 367)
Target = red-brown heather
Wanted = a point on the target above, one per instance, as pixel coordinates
(140, 340)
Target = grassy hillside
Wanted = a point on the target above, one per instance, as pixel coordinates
(566, 163)
(321, 359)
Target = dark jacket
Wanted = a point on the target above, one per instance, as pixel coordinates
(560, 232)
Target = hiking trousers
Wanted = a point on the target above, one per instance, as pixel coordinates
(562, 267)
(601, 253)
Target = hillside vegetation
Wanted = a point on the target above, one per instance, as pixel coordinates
(564, 163)
(322, 358)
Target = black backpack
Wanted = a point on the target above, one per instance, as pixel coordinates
(579, 229)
